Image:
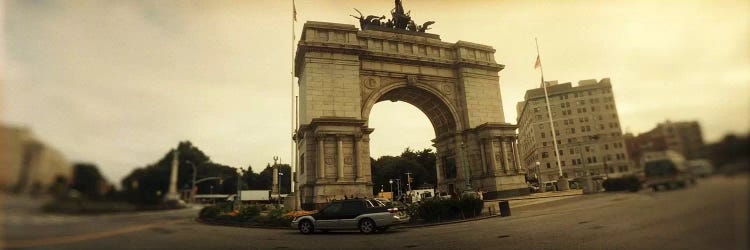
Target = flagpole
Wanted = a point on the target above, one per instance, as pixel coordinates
(293, 151)
(549, 111)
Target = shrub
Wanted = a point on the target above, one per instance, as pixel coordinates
(248, 212)
(435, 210)
(209, 212)
(630, 183)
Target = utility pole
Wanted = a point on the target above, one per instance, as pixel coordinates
(192, 188)
(408, 180)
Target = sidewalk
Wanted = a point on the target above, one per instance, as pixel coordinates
(535, 198)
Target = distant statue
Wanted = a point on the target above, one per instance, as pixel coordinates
(374, 20)
(362, 22)
(424, 27)
(400, 19)
(411, 26)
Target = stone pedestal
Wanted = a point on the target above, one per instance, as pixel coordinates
(334, 161)
(562, 184)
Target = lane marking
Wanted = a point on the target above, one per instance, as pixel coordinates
(83, 237)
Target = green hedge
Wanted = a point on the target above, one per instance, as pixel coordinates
(436, 210)
(630, 183)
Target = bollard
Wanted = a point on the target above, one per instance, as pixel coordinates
(504, 208)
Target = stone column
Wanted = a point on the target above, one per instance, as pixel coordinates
(515, 154)
(482, 152)
(438, 165)
(504, 148)
(339, 157)
(321, 156)
(357, 155)
(493, 158)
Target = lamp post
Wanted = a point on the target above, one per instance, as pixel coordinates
(278, 189)
(192, 188)
(398, 184)
(539, 176)
(239, 194)
(391, 183)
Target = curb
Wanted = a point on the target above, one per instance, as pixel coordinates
(534, 198)
(238, 224)
(448, 222)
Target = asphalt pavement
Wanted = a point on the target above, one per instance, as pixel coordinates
(711, 215)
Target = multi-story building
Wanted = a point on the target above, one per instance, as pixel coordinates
(587, 129)
(27, 164)
(685, 138)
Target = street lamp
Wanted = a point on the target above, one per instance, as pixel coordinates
(398, 185)
(278, 189)
(192, 189)
(391, 189)
(539, 176)
(239, 194)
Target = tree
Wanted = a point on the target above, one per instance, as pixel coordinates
(149, 184)
(88, 180)
(420, 163)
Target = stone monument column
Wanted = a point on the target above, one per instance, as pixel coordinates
(339, 157)
(321, 156)
(275, 187)
(172, 194)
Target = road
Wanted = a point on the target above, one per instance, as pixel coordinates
(712, 215)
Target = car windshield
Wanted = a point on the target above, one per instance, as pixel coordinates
(376, 203)
(660, 168)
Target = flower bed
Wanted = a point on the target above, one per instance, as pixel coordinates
(249, 215)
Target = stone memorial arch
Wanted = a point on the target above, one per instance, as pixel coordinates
(343, 71)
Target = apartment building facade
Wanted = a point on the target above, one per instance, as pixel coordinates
(586, 126)
(684, 137)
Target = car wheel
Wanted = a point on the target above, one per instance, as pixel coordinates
(306, 227)
(367, 226)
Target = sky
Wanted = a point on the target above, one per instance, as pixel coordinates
(119, 83)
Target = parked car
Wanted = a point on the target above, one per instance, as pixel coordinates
(364, 214)
(383, 201)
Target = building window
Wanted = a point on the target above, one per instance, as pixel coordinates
(560, 152)
(544, 144)
(548, 166)
(544, 135)
(573, 162)
(536, 110)
(572, 151)
(545, 154)
(563, 163)
(606, 146)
